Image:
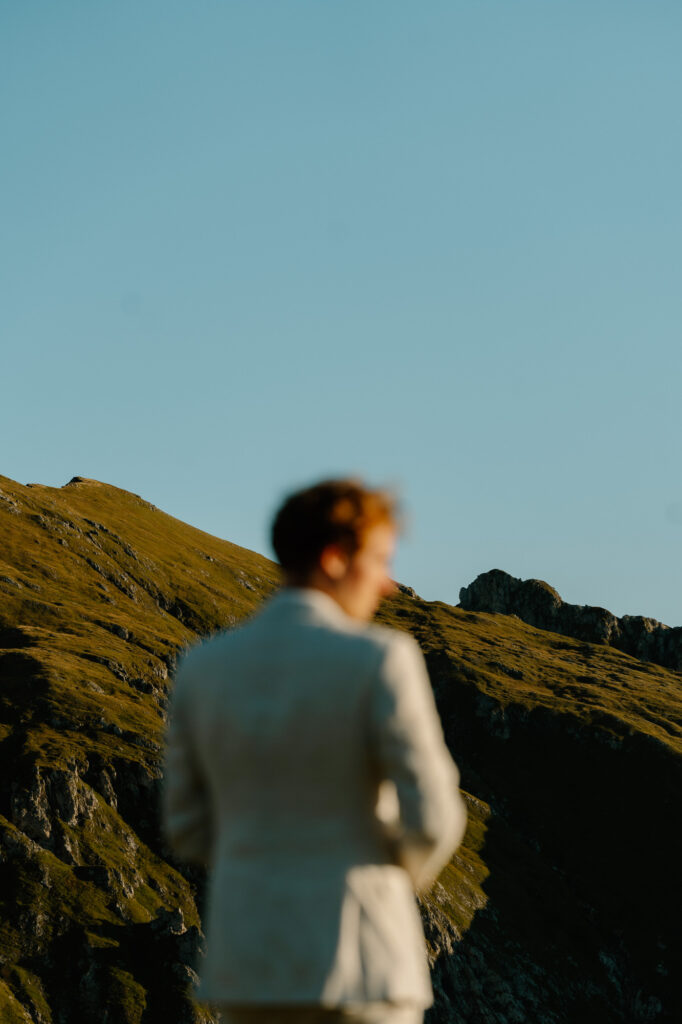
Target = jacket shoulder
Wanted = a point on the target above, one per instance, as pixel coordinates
(385, 638)
(384, 645)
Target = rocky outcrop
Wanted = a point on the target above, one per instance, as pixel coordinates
(538, 604)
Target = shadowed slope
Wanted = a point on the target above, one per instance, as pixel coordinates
(575, 748)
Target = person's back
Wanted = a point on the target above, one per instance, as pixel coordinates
(281, 734)
(277, 705)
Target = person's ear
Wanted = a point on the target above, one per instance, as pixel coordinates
(334, 562)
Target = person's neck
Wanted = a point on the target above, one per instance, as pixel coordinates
(314, 581)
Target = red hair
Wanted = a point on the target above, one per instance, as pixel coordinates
(331, 512)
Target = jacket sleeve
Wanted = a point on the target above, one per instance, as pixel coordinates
(185, 802)
(410, 750)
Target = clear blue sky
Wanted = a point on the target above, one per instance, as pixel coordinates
(248, 244)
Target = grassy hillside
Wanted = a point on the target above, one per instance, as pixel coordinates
(557, 907)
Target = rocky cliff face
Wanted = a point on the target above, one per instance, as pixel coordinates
(557, 908)
(540, 605)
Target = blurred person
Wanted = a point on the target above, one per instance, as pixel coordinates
(306, 768)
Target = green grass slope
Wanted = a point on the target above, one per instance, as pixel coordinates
(99, 592)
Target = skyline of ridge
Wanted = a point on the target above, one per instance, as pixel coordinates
(404, 582)
(248, 246)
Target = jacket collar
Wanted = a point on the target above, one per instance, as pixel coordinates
(311, 600)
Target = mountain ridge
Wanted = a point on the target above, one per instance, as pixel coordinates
(535, 917)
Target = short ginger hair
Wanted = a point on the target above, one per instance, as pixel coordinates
(330, 512)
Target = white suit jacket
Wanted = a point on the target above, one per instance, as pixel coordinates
(281, 736)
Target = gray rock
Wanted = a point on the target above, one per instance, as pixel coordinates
(539, 604)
